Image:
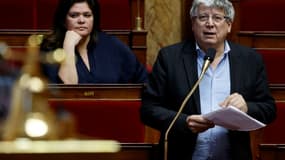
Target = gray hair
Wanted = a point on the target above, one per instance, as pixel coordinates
(223, 4)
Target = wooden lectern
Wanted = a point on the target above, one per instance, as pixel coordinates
(102, 111)
(88, 104)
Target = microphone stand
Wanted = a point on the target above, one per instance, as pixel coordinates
(204, 69)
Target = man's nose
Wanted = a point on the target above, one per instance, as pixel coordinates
(210, 21)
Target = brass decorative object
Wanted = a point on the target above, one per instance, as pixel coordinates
(59, 146)
(30, 115)
(138, 18)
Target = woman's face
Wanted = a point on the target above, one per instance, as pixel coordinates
(80, 19)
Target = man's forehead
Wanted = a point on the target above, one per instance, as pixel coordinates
(203, 7)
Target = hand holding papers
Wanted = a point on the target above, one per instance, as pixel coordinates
(234, 119)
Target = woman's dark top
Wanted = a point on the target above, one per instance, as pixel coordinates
(110, 60)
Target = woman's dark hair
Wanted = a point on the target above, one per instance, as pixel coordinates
(55, 40)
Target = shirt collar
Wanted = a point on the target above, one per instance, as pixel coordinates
(201, 53)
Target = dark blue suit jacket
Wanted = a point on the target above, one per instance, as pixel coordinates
(173, 76)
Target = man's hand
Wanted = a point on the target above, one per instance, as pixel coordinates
(235, 100)
(198, 124)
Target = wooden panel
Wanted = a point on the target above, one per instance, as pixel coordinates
(273, 59)
(136, 40)
(38, 14)
(185, 19)
(140, 53)
(113, 92)
(123, 35)
(262, 15)
(101, 111)
(272, 151)
(19, 37)
(43, 13)
(236, 25)
(278, 92)
(16, 37)
(17, 14)
(265, 39)
(93, 93)
(115, 14)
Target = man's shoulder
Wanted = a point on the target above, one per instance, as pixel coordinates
(238, 46)
(243, 51)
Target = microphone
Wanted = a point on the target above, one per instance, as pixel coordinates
(208, 59)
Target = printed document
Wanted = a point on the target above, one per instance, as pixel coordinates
(234, 119)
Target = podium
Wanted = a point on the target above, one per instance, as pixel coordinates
(101, 111)
(129, 131)
(96, 92)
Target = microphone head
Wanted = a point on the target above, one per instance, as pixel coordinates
(210, 55)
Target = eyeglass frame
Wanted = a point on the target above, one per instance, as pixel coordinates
(216, 18)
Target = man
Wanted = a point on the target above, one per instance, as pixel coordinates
(236, 77)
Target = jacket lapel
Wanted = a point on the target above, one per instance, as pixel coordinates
(190, 66)
(235, 68)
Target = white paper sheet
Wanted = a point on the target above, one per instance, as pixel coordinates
(234, 119)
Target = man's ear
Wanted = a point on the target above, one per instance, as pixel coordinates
(230, 26)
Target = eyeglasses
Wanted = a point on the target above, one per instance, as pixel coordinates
(216, 18)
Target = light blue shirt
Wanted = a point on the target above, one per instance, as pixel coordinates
(213, 144)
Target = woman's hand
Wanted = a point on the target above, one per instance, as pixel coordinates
(71, 39)
(67, 71)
